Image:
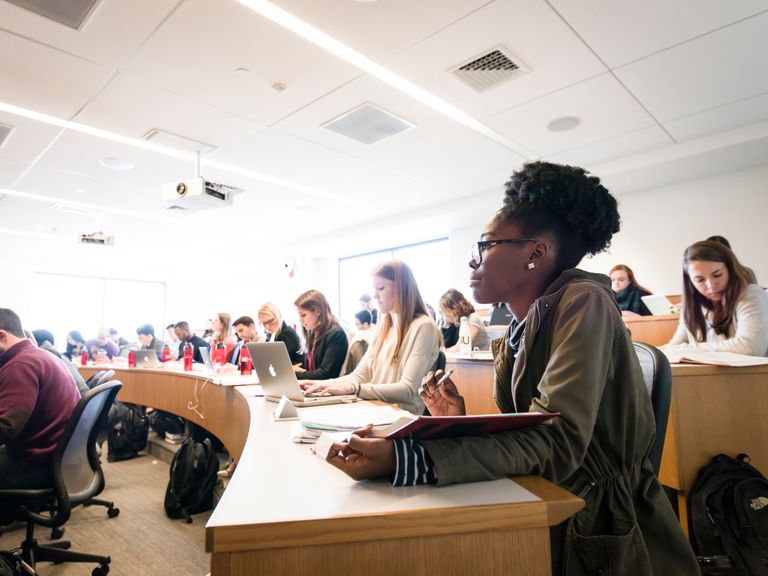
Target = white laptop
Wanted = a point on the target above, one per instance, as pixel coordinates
(224, 379)
(146, 359)
(658, 304)
(277, 378)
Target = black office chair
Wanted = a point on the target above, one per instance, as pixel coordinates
(658, 379)
(77, 477)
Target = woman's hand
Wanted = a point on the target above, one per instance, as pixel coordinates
(443, 400)
(629, 313)
(226, 368)
(362, 457)
(325, 389)
(298, 369)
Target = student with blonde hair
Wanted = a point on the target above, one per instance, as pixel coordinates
(278, 331)
(403, 351)
(326, 340)
(628, 291)
(221, 325)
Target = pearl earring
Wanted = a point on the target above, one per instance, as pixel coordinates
(531, 265)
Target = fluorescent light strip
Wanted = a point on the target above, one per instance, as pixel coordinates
(166, 151)
(330, 44)
(105, 209)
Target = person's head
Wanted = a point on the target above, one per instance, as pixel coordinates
(363, 320)
(315, 316)
(245, 328)
(41, 335)
(182, 331)
(74, 338)
(622, 277)
(11, 331)
(552, 217)
(713, 279)
(454, 306)
(396, 291)
(721, 239)
(170, 330)
(114, 335)
(145, 333)
(102, 337)
(221, 325)
(270, 318)
(366, 302)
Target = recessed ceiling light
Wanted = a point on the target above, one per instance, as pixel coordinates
(564, 123)
(116, 163)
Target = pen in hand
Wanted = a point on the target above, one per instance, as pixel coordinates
(443, 378)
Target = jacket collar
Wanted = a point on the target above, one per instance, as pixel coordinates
(14, 351)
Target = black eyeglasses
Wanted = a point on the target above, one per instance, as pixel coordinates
(479, 247)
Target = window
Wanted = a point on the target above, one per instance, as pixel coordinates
(428, 260)
(64, 303)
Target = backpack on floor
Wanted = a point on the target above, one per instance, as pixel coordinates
(165, 423)
(729, 514)
(193, 476)
(127, 431)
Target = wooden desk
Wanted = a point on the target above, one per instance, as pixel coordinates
(286, 511)
(653, 330)
(714, 409)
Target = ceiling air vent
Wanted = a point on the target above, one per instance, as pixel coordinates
(490, 69)
(178, 142)
(72, 13)
(367, 124)
(5, 133)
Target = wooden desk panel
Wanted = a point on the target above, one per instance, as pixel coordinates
(653, 330)
(380, 533)
(474, 379)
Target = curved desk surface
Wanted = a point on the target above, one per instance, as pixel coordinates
(287, 511)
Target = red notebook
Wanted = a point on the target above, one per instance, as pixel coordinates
(427, 427)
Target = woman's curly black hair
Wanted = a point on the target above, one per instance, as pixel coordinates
(566, 202)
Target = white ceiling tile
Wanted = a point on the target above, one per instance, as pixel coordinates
(606, 110)
(741, 113)
(111, 33)
(625, 145)
(26, 141)
(624, 30)
(197, 50)
(368, 27)
(531, 31)
(46, 80)
(710, 71)
(132, 105)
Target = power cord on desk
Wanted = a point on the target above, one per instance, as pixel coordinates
(194, 406)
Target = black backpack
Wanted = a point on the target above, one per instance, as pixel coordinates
(193, 476)
(128, 428)
(729, 515)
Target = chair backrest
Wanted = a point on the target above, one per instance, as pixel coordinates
(75, 461)
(658, 380)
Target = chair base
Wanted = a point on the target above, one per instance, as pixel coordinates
(33, 552)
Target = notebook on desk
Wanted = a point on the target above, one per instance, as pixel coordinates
(277, 378)
(658, 304)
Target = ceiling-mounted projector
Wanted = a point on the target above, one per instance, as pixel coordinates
(97, 238)
(197, 194)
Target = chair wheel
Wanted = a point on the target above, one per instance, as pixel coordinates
(100, 571)
(113, 512)
(57, 533)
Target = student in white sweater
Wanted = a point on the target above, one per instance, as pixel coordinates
(404, 349)
(722, 310)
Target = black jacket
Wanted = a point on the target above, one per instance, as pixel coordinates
(197, 343)
(292, 342)
(328, 356)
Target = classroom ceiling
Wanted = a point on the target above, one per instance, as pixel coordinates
(652, 91)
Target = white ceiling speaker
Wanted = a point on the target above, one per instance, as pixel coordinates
(367, 124)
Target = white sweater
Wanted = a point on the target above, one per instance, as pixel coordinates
(748, 333)
(398, 383)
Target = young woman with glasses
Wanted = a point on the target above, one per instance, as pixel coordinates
(326, 340)
(403, 350)
(567, 350)
(279, 331)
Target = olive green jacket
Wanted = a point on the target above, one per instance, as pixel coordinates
(576, 357)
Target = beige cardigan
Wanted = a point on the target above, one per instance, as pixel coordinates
(398, 383)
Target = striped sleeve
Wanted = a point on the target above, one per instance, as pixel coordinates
(414, 466)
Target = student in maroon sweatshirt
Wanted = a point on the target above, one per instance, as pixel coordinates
(37, 397)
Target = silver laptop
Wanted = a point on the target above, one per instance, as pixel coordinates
(146, 359)
(658, 304)
(277, 378)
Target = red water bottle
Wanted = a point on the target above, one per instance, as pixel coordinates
(246, 366)
(187, 357)
(166, 353)
(220, 354)
(131, 359)
(83, 358)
